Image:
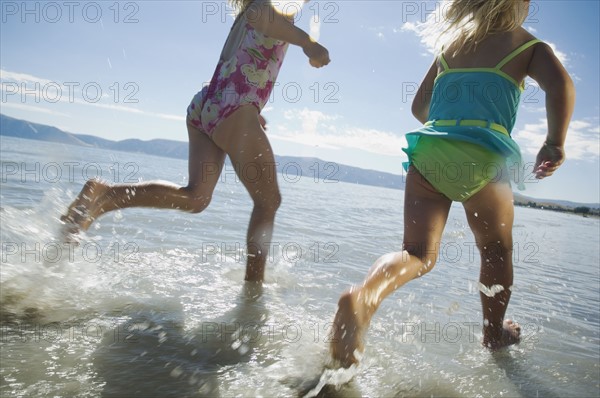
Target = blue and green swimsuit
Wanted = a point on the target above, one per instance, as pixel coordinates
(466, 142)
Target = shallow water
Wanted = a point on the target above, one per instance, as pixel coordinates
(152, 303)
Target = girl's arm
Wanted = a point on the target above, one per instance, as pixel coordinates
(263, 17)
(420, 105)
(546, 69)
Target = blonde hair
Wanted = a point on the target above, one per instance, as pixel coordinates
(240, 5)
(470, 21)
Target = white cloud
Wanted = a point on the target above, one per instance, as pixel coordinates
(583, 140)
(32, 108)
(422, 29)
(533, 109)
(21, 77)
(317, 129)
(23, 87)
(562, 57)
(409, 27)
(378, 31)
(431, 33)
(531, 137)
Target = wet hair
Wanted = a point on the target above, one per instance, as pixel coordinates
(470, 21)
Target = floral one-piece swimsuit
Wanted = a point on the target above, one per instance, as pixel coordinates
(246, 76)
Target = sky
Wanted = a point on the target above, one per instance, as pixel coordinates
(128, 69)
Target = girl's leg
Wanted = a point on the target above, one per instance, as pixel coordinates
(425, 215)
(245, 141)
(98, 197)
(490, 213)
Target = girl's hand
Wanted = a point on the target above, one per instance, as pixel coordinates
(269, 21)
(318, 55)
(548, 160)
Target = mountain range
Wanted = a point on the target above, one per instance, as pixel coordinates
(292, 166)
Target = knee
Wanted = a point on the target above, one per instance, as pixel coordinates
(428, 262)
(197, 204)
(495, 253)
(427, 256)
(268, 204)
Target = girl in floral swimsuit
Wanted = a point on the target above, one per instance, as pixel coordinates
(245, 75)
(223, 119)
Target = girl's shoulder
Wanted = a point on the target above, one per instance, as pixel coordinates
(522, 34)
(488, 53)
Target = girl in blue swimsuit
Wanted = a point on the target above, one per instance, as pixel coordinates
(468, 103)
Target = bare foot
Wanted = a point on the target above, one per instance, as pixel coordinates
(511, 334)
(84, 209)
(349, 325)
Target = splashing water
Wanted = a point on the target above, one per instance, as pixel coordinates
(152, 303)
(490, 291)
(334, 377)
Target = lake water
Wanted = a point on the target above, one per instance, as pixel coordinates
(153, 304)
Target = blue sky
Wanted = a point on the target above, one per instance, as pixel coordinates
(129, 69)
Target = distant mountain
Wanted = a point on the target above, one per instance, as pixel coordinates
(523, 200)
(88, 140)
(290, 165)
(33, 131)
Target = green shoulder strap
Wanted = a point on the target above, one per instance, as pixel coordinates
(516, 52)
(443, 61)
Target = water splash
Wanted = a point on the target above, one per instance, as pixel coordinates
(334, 377)
(490, 291)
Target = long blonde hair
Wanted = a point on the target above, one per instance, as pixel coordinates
(470, 21)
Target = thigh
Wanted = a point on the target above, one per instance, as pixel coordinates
(243, 138)
(425, 215)
(205, 161)
(490, 213)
